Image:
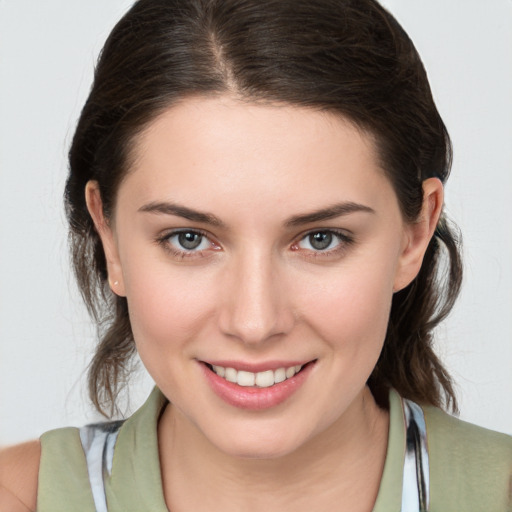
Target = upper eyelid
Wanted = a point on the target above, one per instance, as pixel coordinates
(183, 253)
(345, 242)
(343, 233)
(176, 231)
(344, 238)
(166, 235)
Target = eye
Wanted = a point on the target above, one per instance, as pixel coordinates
(189, 240)
(320, 241)
(187, 243)
(323, 241)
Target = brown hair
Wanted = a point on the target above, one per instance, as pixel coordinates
(349, 57)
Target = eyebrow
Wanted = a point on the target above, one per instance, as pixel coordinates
(331, 212)
(182, 211)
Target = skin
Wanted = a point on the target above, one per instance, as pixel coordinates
(257, 290)
(19, 466)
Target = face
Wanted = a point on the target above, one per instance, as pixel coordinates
(259, 248)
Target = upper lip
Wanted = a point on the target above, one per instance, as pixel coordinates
(256, 367)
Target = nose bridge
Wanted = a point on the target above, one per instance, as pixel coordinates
(255, 304)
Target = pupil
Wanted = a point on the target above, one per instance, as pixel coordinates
(189, 240)
(320, 240)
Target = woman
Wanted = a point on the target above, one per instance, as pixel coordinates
(255, 203)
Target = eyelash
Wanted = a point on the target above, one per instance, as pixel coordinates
(344, 241)
(165, 242)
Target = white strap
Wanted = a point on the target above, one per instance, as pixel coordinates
(416, 483)
(98, 442)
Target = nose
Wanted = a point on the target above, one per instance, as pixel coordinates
(255, 305)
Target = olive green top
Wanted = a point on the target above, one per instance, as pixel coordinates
(470, 467)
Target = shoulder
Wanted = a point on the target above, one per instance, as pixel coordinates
(19, 468)
(468, 463)
(466, 441)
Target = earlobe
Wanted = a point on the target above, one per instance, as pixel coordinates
(104, 230)
(418, 234)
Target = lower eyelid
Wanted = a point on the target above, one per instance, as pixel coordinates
(181, 252)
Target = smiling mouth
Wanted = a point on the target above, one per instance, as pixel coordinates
(265, 379)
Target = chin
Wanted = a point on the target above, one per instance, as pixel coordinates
(258, 450)
(271, 442)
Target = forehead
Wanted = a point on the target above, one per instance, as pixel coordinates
(222, 149)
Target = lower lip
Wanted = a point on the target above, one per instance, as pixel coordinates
(255, 398)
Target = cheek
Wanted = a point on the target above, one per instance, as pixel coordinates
(167, 306)
(351, 306)
(168, 313)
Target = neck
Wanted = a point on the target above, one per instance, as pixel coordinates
(341, 466)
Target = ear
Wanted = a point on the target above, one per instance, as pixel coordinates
(417, 234)
(107, 236)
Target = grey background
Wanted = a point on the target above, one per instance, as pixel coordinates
(47, 54)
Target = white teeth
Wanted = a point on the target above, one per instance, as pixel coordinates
(263, 379)
(219, 370)
(245, 379)
(230, 374)
(280, 375)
